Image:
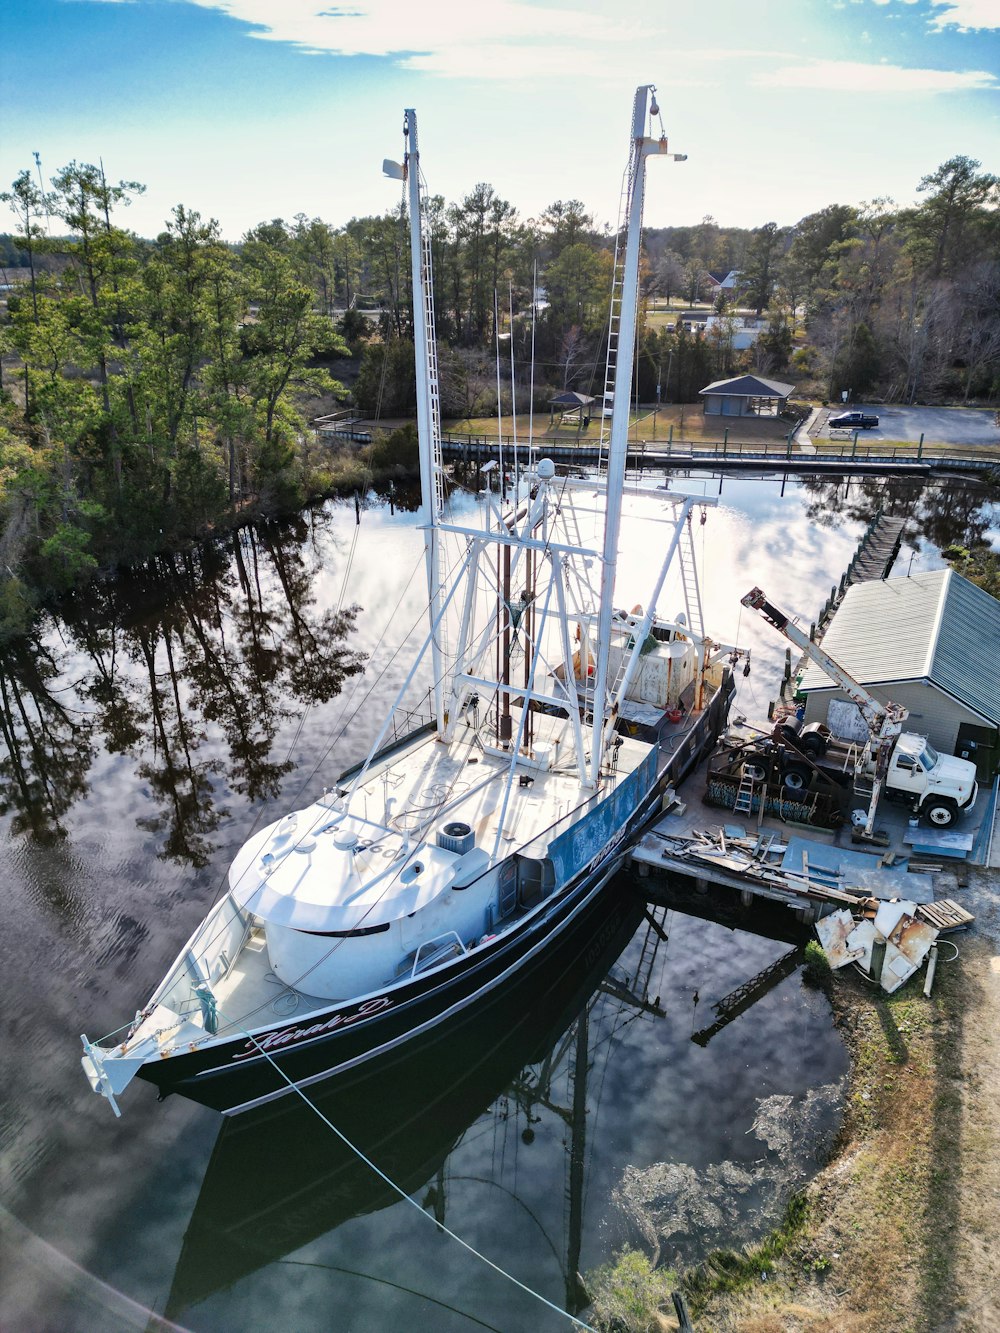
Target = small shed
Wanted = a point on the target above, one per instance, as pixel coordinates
(746, 396)
(927, 642)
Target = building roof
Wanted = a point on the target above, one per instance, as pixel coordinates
(723, 277)
(933, 626)
(749, 386)
(571, 399)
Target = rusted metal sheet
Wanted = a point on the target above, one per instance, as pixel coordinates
(906, 939)
(860, 942)
(834, 931)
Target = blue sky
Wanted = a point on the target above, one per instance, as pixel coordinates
(253, 109)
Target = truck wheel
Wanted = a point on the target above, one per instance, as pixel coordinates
(795, 778)
(940, 813)
(755, 768)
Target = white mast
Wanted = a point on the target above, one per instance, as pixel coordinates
(642, 147)
(428, 408)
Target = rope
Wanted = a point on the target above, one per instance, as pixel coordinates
(577, 1323)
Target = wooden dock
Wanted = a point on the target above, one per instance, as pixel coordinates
(729, 858)
(873, 560)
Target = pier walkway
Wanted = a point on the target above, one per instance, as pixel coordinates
(795, 454)
(873, 560)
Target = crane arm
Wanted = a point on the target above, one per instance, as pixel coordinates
(882, 719)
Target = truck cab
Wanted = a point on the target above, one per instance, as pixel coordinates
(939, 784)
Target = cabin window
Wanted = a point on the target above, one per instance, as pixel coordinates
(347, 934)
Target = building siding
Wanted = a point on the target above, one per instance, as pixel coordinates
(932, 713)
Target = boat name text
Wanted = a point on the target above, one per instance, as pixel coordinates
(271, 1041)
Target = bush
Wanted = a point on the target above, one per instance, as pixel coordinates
(627, 1296)
(816, 970)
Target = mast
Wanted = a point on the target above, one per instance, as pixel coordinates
(428, 407)
(642, 147)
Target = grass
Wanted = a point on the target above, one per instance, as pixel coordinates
(688, 422)
(733, 1271)
(873, 1240)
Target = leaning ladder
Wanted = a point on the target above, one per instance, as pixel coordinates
(744, 796)
(689, 581)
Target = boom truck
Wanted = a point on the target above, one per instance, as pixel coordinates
(904, 766)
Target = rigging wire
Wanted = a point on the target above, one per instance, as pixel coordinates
(577, 1323)
(387, 1282)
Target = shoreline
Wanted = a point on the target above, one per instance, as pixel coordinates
(899, 1230)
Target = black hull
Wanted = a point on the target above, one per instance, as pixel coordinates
(405, 1112)
(229, 1079)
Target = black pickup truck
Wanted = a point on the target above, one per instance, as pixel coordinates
(853, 421)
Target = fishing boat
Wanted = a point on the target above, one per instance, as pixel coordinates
(458, 854)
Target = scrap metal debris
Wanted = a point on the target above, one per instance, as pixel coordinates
(895, 926)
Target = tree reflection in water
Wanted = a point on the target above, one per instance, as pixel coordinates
(47, 744)
(938, 512)
(188, 666)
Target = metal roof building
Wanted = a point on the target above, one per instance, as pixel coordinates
(930, 642)
(745, 396)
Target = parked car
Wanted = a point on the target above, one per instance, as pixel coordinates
(853, 421)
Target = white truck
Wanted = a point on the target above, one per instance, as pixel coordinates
(906, 767)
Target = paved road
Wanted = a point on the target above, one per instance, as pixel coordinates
(938, 425)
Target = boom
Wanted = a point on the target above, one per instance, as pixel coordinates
(884, 721)
(877, 715)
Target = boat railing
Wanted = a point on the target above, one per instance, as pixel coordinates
(406, 723)
(432, 952)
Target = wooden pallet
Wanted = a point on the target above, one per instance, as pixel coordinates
(945, 914)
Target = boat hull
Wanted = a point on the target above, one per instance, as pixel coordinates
(404, 1113)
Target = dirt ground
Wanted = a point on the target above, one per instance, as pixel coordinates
(902, 1229)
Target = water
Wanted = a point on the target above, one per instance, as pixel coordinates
(146, 731)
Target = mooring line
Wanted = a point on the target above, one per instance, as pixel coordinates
(577, 1323)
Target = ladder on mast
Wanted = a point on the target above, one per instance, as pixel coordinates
(433, 385)
(614, 319)
(689, 582)
(426, 315)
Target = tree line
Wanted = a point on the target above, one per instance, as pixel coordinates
(154, 388)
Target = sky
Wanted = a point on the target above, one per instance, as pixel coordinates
(248, 110)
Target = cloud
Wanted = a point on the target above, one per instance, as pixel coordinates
(857, 76)
(967, 15)
(508, 38)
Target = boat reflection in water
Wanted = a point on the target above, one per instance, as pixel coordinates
(280, 1177)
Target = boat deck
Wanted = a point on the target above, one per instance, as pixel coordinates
(412, 791)
(250, 995)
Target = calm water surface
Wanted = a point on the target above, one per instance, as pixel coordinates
(146, 731)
